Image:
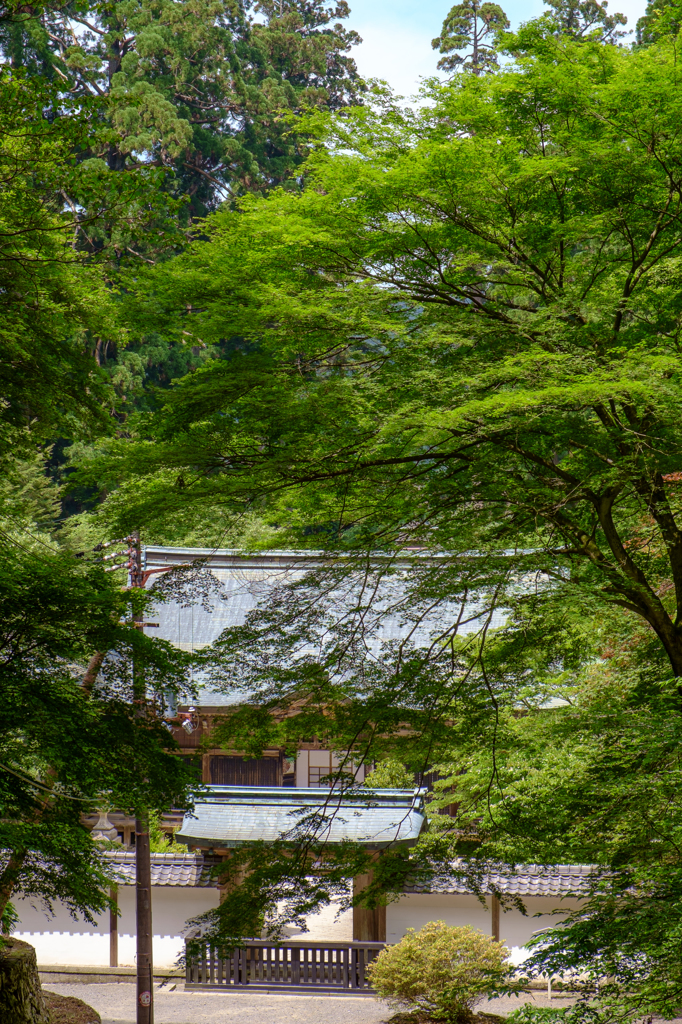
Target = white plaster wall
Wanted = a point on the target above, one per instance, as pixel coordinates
(172, 906)
(61, 940)
(416, 909)
(326, 924)
(516, 930)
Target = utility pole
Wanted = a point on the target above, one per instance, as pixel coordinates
(143, 867)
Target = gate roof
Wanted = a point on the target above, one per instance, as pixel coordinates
(228, 816)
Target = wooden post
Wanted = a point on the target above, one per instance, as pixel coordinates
(113, 929)
(495, 908)
(143, 892)
(368, 925)
(143, 867)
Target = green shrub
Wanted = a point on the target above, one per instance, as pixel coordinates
(579, 1013)
(390, 774)
(160, 841)
(440, 970)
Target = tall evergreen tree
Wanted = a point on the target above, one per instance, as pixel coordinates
(661, 18)
(581, 18)
(308, 53)
(568, 19)
(196, 91)
(197, 86)
(56, 305)
(467, 27)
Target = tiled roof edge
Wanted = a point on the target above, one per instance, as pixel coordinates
(526, 880)
(189, 870)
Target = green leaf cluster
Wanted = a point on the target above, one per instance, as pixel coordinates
(441, 971)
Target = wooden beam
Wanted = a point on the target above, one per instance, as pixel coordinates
(113, 929)
(495, 908)
(368, 925)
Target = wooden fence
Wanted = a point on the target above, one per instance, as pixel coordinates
(294, 966)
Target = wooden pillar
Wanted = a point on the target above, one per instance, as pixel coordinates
(113, 929)
(368, 925)
(225, 888)
(143, 918)
(495, 908)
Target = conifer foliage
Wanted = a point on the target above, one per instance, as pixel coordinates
(198, 87)
(470, 26)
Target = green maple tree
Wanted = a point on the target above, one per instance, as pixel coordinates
(463, 339)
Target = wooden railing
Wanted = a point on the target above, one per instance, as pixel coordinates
(300, 966)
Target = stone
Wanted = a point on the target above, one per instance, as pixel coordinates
(21, 996)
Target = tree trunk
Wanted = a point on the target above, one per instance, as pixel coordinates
(8, 878)
(21, 997)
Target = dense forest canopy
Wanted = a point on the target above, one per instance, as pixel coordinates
(190, 105)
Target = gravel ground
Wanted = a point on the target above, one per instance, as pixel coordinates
(116, 1005)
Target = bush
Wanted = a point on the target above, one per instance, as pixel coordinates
(440, 970)
(579, 1013)
(389, 774)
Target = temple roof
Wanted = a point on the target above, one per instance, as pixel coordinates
(193, 870)
(228, 816)
(248, 582)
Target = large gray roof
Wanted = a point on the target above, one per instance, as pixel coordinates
(249, 580)
(228, 816)
(186, 869)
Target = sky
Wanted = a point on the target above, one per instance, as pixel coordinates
(397, 34)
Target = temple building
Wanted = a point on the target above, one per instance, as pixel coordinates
(267, 797)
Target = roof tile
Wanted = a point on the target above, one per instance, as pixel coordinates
(227, 816)
(527, 880)
(185, 869)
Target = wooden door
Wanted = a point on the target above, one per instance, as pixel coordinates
(227, 770)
